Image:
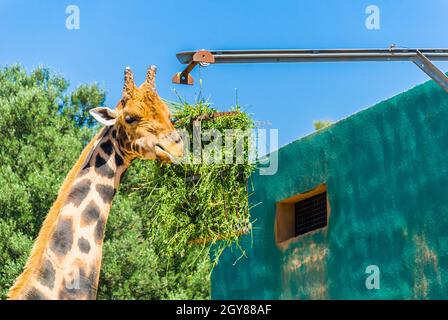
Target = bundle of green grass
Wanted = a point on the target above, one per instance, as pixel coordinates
(201, 203)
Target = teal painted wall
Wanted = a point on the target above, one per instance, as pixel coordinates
(386, 170)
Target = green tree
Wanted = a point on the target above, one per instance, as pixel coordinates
(320, 124)
(37, 148)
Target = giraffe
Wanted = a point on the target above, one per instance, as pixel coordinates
(66, 257)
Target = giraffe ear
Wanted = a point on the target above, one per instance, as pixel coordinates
(104, 115)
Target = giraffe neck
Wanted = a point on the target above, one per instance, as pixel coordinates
(65, 263)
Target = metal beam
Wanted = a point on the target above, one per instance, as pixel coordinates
(431, 70)
(421, 57)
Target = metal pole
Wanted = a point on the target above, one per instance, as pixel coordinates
(421, 57)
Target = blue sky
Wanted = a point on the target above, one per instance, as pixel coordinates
(116, 34)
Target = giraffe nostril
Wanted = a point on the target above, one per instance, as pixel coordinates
(175, 137)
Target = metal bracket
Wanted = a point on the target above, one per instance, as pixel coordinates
(431, 70)
(421, 57)
(184, 77)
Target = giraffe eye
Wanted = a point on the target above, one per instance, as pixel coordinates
(129, 119)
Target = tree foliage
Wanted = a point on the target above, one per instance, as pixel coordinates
(321, 124)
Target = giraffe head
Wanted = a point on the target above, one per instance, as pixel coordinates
(142, 121)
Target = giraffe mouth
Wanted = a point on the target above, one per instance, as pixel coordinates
(161, 150)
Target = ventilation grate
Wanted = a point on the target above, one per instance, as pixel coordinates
(311, 214)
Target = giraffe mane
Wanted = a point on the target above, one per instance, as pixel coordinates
(48, 225)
